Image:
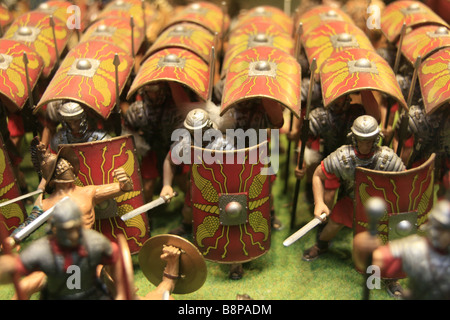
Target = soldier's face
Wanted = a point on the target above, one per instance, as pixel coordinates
(69, 237)
(365, 146)
(74, 125)
(155, 95)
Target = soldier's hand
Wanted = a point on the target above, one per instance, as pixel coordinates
(293, 135)
(8, 264)
(125, 182)
(300, 172)
(171, 255)
(320, 208)
(167, 191)
(10, 243)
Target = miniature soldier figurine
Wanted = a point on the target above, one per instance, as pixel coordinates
(197, 119)
(328, 128)
(69, 250)
(339, 168)
(75, 127)
(425, 260)
(59, 172)
(429, 133)
(171, 255)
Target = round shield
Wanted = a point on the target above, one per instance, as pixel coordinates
(125, 279)
(13, 73)
(203, 13)
(410, 13)
(434, 76)
(174, 64)
(423, 41)
(34, 29)
(354, 70)
(267, 14)
(88, 75)
(127, 276)
(185, 35)
(334, 36)
(192, 267)
(116, 31)
(256, 33)
(318, 15)
(263, 72)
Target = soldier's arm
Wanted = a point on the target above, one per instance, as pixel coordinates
(179, 95)
(8, 266)
(168, 175)
(318, 185)
(111, 190)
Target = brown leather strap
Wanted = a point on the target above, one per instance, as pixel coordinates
(170, 276)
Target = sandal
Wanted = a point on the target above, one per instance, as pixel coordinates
(394, 288)
(236, 272)
(314, 252)
(276, 223)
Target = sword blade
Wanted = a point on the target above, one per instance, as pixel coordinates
(36, 223)
(304, 230)
(146, 207)
(24, 196)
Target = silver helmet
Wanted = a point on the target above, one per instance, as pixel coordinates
(66, 215)
(438, 222)
(365, 127)
(72, 111)
(198, 119)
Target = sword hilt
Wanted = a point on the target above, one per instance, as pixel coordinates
(167, 197)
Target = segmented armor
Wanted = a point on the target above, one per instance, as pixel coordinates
(427, 269)
(66, 137)
(331, 126)
(345, 159)
(41, 256)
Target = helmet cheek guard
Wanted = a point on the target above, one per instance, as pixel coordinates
(365, 128)
(71, 111)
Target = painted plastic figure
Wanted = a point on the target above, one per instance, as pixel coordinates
(59, 172)
(197, 120)
(75, 127)
(338, 170)
(427, 134)
(425, 259)
(68, 256)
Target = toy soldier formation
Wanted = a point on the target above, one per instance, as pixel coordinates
(126, 99)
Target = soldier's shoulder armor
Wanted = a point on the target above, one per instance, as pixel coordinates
(319, 121)
(97, 245)
(98, 135)
(60, 137)
(38, 256)
(388, 160)
(341, 162)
